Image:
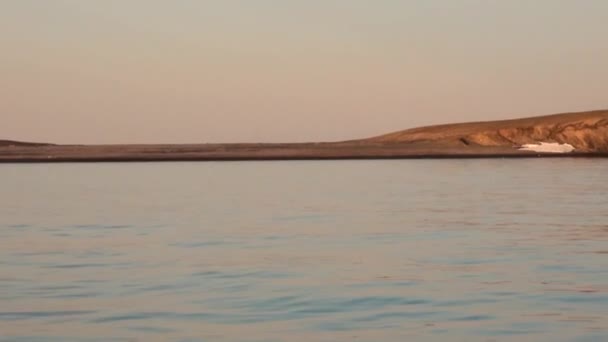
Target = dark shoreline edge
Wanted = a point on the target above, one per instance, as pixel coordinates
(142, 159)
(269, 152)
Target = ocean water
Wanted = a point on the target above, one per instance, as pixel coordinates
(401, 250)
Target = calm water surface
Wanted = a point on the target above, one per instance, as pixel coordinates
(447, 250)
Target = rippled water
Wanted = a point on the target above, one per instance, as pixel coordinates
(446, 250)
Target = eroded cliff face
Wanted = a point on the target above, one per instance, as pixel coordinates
(585, 135)
(587, 132)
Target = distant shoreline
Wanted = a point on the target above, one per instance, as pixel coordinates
(264, 152)
(584, 133)
(269, 159)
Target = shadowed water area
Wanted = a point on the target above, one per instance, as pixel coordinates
(412, 250)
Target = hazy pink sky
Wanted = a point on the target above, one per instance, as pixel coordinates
(150, 71)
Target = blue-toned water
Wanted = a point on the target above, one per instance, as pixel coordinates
(428, 250)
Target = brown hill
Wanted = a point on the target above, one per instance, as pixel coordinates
(586, 131)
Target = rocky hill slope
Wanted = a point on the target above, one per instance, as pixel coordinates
(586, 131)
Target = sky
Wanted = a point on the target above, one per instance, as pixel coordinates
(221, 71)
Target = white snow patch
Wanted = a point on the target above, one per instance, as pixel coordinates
(548, 147)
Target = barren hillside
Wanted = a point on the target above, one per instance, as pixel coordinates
(586, 131)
